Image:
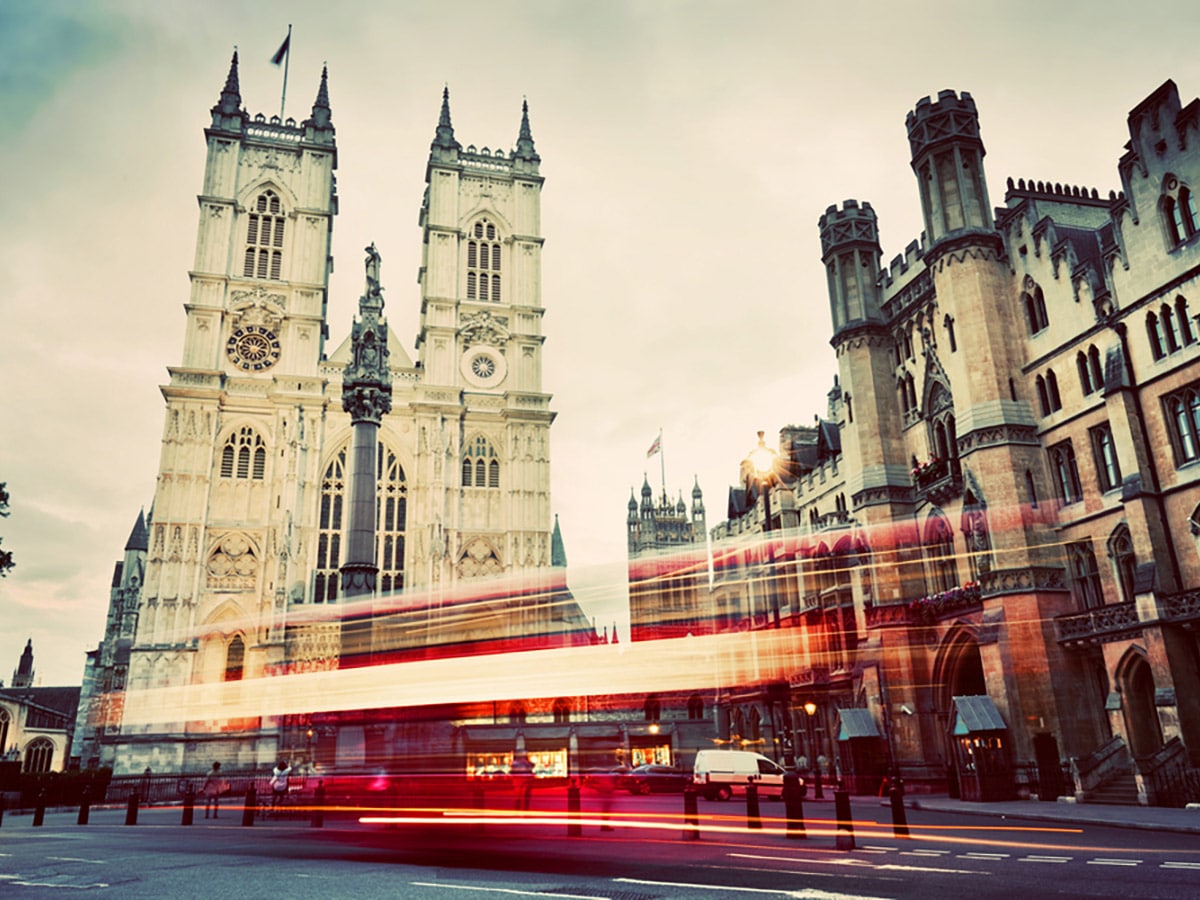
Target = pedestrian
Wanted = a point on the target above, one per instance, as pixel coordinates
(214, 786)
(144, 788)
(279, 783)
(522, 780)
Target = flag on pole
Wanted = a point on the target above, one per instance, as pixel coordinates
(656, 447)
(277, 59)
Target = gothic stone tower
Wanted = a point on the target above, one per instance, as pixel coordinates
(252, 509)
(481, 419)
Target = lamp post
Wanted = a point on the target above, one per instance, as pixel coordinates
(811, 709)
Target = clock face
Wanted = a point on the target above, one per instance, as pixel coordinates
(253, 348)
(483, 366)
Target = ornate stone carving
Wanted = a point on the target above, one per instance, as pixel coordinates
(484, 328)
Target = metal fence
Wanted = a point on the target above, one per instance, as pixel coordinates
(171, 788)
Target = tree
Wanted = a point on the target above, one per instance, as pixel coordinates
(6, 560)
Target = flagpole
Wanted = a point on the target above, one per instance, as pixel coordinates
(662, 458)
(287, 58)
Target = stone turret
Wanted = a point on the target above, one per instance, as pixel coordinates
(850, 251)
(228, 114)
(947, 157)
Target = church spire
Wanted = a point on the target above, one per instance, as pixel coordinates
(444, 137)
(558, 552)
(138, 538)
(319, 126)
(229, 107)
(525, 148)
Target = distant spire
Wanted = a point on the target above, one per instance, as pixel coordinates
(138, 538)
(321, 120)
(227, 114)
(558, 552)
(525, 148)
(23, 676)
(231, 96)
(444, 137)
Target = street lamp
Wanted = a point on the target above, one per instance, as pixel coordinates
(763, 460)
(811, 709)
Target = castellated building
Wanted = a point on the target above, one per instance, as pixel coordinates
(991, 546)
(226, 576)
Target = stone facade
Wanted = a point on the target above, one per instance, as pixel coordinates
(247, 531)
(1018, 411)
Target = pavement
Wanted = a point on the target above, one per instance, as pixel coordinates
(1150, 818)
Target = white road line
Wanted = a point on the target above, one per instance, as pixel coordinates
(77, 859)
(1180, 865)
(875, 849)
(1114, 862)
(856, 864)
(924, 852)
(805, 894)
(989, 856)
(1045, 859)
(509, 891)
(51, 884)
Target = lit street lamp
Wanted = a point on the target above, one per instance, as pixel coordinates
(811, 709)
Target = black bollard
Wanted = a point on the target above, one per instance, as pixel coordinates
(248, 809)
(899, 819)
(574, 829)
(189, 805)
(793, 804)
(39, 811)
(753, 817)
(845, 823)
(131, 811)
(1, 808)
(817, 793)
(318, 818)
(691, 814)
(85, 807)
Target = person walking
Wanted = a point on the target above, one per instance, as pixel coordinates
(279, 784)
(522, 780)
(214, 786)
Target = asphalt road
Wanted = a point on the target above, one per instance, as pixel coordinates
(645, 857)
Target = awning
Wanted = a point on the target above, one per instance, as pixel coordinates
(975, 714)
(856, 723)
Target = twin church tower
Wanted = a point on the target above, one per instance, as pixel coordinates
(253, 506)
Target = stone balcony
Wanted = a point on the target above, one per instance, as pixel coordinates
(1101, 625)
(938, 480)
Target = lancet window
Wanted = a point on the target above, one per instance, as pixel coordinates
(244, 455)
(483, 262)
(264, 238)
(480, 467)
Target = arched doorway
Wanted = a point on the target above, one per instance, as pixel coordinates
(1143, 732)
(958, 672)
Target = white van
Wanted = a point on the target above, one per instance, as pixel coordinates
(718, 773)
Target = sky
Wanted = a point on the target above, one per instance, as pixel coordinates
(688, 150)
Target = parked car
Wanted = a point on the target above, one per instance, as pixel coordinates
(607, 780)
(656, 779)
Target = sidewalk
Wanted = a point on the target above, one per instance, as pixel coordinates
(1151, 818)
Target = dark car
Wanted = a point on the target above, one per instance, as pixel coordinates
(607, 780)
(656, 779)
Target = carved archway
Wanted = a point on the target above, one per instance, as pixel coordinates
(1135, 681)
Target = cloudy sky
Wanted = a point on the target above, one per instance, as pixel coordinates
(688, 150)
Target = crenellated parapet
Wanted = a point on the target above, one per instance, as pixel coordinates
(951, 120)
(850, 226)
(850, 251)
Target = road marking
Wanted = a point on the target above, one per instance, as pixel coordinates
(874, 849)
(51, 884)
(1045, 859)
(989, 856)
(1114, 862)
(924, 852)
(804, 894)
(856, 864)
(1180, 865)
(77, 859)
(510, 891)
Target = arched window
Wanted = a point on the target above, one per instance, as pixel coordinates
(1183, 421)
(1168, 327)
(1043, 397)
(264, 238)
(1178, 212)
(1052, 390)
(517, 713)
(391, 518)
(695, 707)
(652, 709)
(1108, 469)
(1066, 472)
(562, 711)
(1034, 301)
(5, 721)
(1085, 373)
(1186, 334)
(1085, 575)
(483, 262)
(1097, 369)
(480, 466)
(1031, 489)
(235, 659)
(244, 455)
(1120, 551)
(1154, 335)
(939, 551)
(38, 756)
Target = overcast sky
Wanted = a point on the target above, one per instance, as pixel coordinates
(688, 150)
